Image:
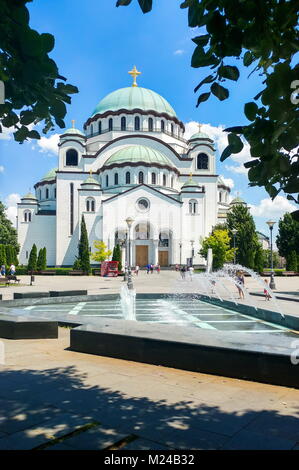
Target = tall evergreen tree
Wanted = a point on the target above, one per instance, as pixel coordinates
(8, 234)
(288, 236)
(44, 258)
(39, 260)
(239, 218)
(2, 255)
(83, 249)
(32, 262)
(292, 261)
(9, 254)
(259, 259)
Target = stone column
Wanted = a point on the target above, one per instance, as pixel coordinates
(156, 251)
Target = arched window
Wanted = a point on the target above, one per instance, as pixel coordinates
(128, 177)
(110, 124)
(39, 194)
(90, 204)
(91, 130)
(27, 216)
(107, 180)
(164, 179)
(137, 123)
(140, 177)
(47, 193)
(123, 123)
(150, 124)
(100, 127)
(162, 126)
(192, 206)
(202, 161)
(115, 178)
(142, 231)
(172, 129)
(154, 178)
(164, 239)
(71, 157)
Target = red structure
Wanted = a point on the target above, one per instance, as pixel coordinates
(109, 268)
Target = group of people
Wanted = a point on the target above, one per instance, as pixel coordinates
(150, 268)
(12, 270)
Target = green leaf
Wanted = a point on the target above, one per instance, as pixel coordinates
(219, 91)
(201, 40)
(235, 143)
(48, 42)
(248, 58)
(208, 79)
(33, 135)
(145, 5)
(229, 71)
(203, 97)
(250, 110)
(235, 129)
(226, 153)
(251, 163)
(295, 215)
(58, 109)
(121, 3)
(27, 117)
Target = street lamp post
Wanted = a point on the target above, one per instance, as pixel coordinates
(234, 232)
(271, 224)
(129, 221)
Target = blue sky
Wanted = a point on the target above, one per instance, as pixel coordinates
(96, 44)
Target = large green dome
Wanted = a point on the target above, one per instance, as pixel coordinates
(134, 98)
(50, 175)
(138, 153)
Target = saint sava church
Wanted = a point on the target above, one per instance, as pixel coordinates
(130, 160)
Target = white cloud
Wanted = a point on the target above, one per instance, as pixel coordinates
(220, 138)
(268, 208)
(11, 202)
(241, 170)
(6, 133)
(1, 169)
(228, 181)
(179, 52)
(49, 144)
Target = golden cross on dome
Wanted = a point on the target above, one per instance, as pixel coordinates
(199, 127)
(90, 172)
(134, 73)
(73, 123)
(190, 176)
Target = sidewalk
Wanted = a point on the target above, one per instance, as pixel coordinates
(54, 398)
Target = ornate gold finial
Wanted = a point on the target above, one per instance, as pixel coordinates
(199, 127)
(90, 172)
(73, 123)
(134, 73)
(190, 176)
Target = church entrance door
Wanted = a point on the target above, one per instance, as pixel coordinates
(163, 258)
(141, 255)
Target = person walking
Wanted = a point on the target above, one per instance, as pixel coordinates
(191, 271)
(158, 268)
(3, 270)
(241, 281)
(148, 268)
(12, 270)
(152, 268)
(183, 272)
(136, 269)
(177, 268)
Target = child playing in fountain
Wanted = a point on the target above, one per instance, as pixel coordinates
(266, 292)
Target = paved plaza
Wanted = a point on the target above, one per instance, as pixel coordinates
(52, 398)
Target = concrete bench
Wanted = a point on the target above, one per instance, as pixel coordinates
(62, 293)
(11, 278)
(76, 273)
(30, 295)
(21, 327)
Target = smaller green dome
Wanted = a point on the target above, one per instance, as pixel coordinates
(138, 154)
(190, 182)
(91, 180)
(51, 175)
(29, 196)
(73, 130)
(199, 135)
(238, 200)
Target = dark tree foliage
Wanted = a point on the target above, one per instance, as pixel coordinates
(239, 218)
(32, 262)
(8, 234)
(83, 249)
(2, 255)
(288, 236)
(34, 89)
(41, 260)
(291, 260)
(259, 259)
(263, 34)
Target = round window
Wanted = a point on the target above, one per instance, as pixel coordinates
(143, 204)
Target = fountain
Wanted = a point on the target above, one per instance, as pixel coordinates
(128, 302)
